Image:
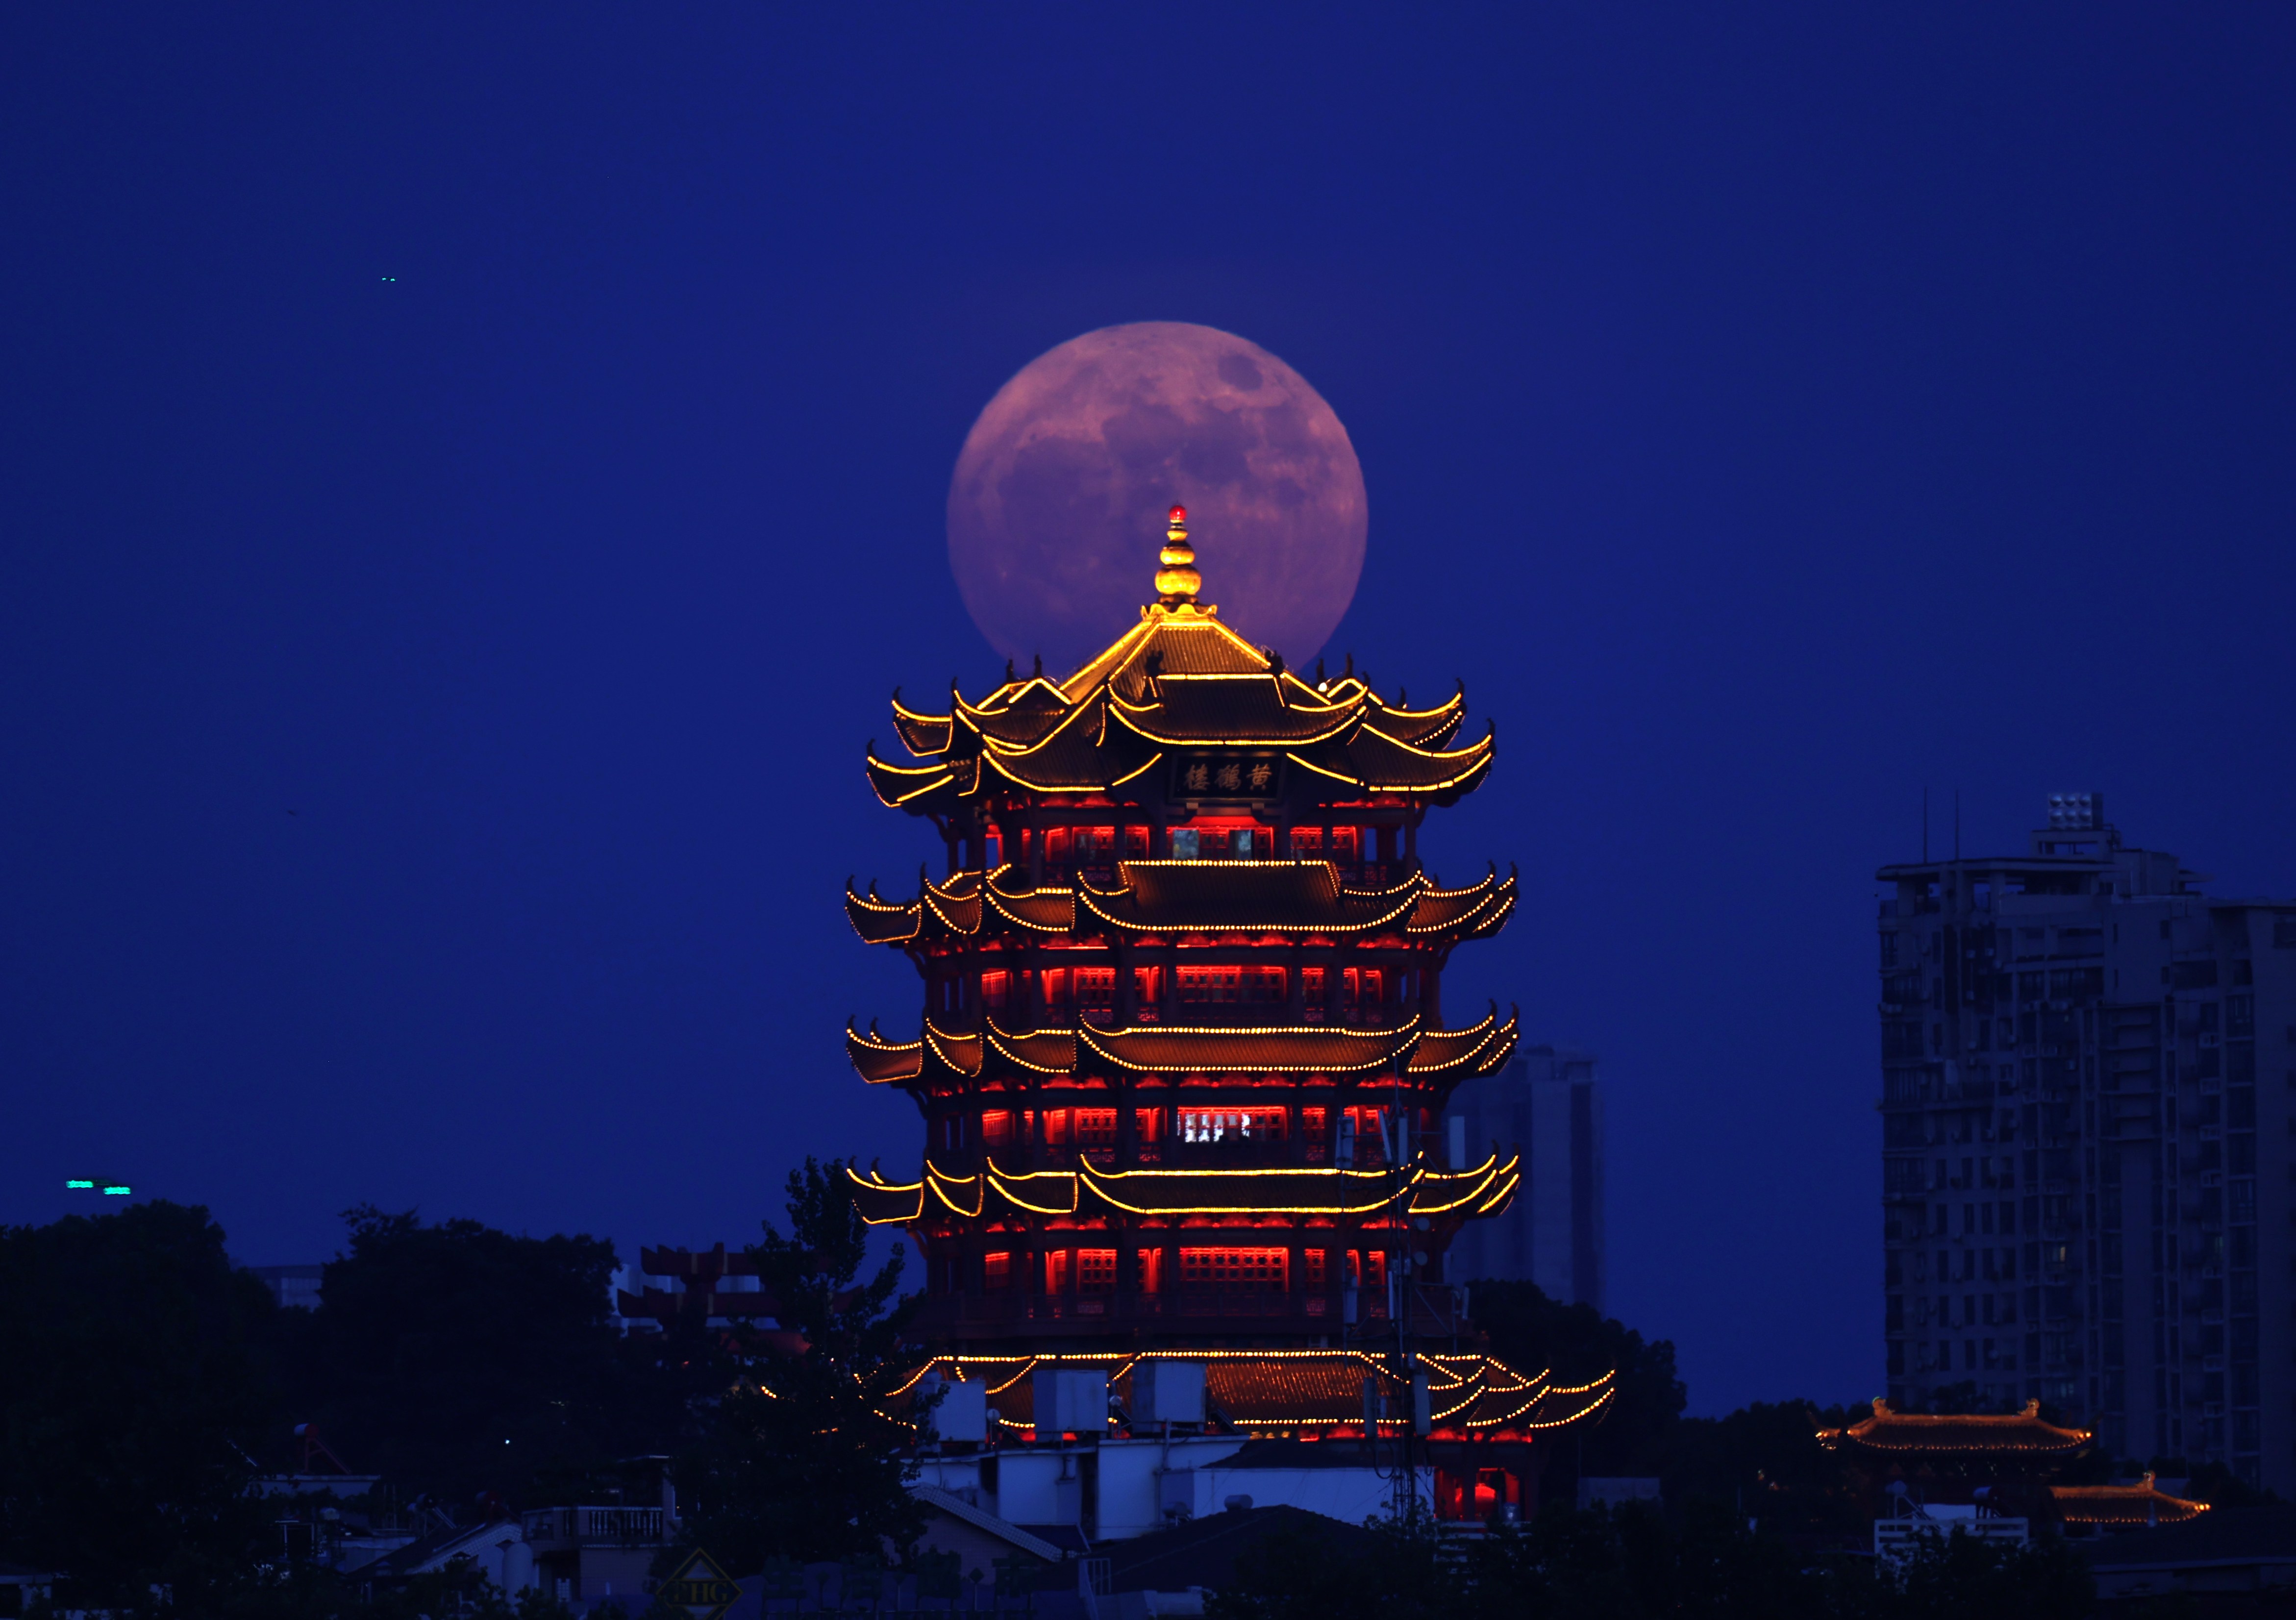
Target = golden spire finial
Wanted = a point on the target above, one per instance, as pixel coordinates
(1176, 580)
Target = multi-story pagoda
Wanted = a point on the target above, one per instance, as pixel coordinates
(1184, 1047)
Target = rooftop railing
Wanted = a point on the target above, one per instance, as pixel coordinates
(598, 1526)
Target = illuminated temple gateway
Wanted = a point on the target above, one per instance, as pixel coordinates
(1185, 1045)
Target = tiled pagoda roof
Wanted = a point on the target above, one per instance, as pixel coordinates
(1309, 1049)
(2123, 1507)
(1286, 1392)
(1179, 679)
(1284, 897)
(1917, 1434)
(1416, 1188)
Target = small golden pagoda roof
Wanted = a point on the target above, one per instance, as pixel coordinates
(2123, 1507)
(1283, 1392)
(1901, 1433)
(1417, 1189)
(956, 1056)
(1287, 898)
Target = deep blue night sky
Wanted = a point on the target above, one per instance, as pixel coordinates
(471, 477)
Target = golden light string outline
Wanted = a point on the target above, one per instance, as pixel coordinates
(1010, 1186)
(1092, 689)
(1366, 784)
(998, 747)
(1118, 1365)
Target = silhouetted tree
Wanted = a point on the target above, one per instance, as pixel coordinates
(134, 1386)
(1764, 1461)
(457, 1360)
(802, 1457)
(1529, 1330)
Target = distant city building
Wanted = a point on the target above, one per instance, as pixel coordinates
(1547, 1103)
(294, 1287)
(2074, 1210)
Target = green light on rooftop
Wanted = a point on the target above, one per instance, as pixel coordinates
(90, 1185)
(118, 1192)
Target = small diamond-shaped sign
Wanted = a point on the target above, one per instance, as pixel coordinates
(698, 1587)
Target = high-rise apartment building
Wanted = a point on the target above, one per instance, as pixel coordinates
(1546, 1102)
(2088, 1068)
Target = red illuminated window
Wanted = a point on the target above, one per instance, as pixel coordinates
(1056, 845)
(1219, 985)
(1136, 843)
(1056, 986)
(1368, 1267)
(1096, 989)
(996, 1127)
(1307, 842)
(1198, 985)
(1148, 1275)
(1233, 1270)
(1314, 1122)
(1345, 845)
(994, 988)
(1365, 1124)
(1148, 1124)
(996, 1271)
(1095, 1127)
(1314, 1259)
(1360, 988)
(1056, 1127)
(1148, 987)
(1056, 1271)
(1096, 1271)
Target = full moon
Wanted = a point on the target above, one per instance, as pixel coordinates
(1057, 508)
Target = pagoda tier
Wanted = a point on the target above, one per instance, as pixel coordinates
(1183, 1054)
(1184, 700)
(1413, 1190)
(1296, 901)
(1310, 1057)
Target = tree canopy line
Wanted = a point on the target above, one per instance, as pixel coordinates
(146, 1382)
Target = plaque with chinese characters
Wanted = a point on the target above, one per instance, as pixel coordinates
(1237, 779)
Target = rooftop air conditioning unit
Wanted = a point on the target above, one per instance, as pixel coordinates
(1167, 1392)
